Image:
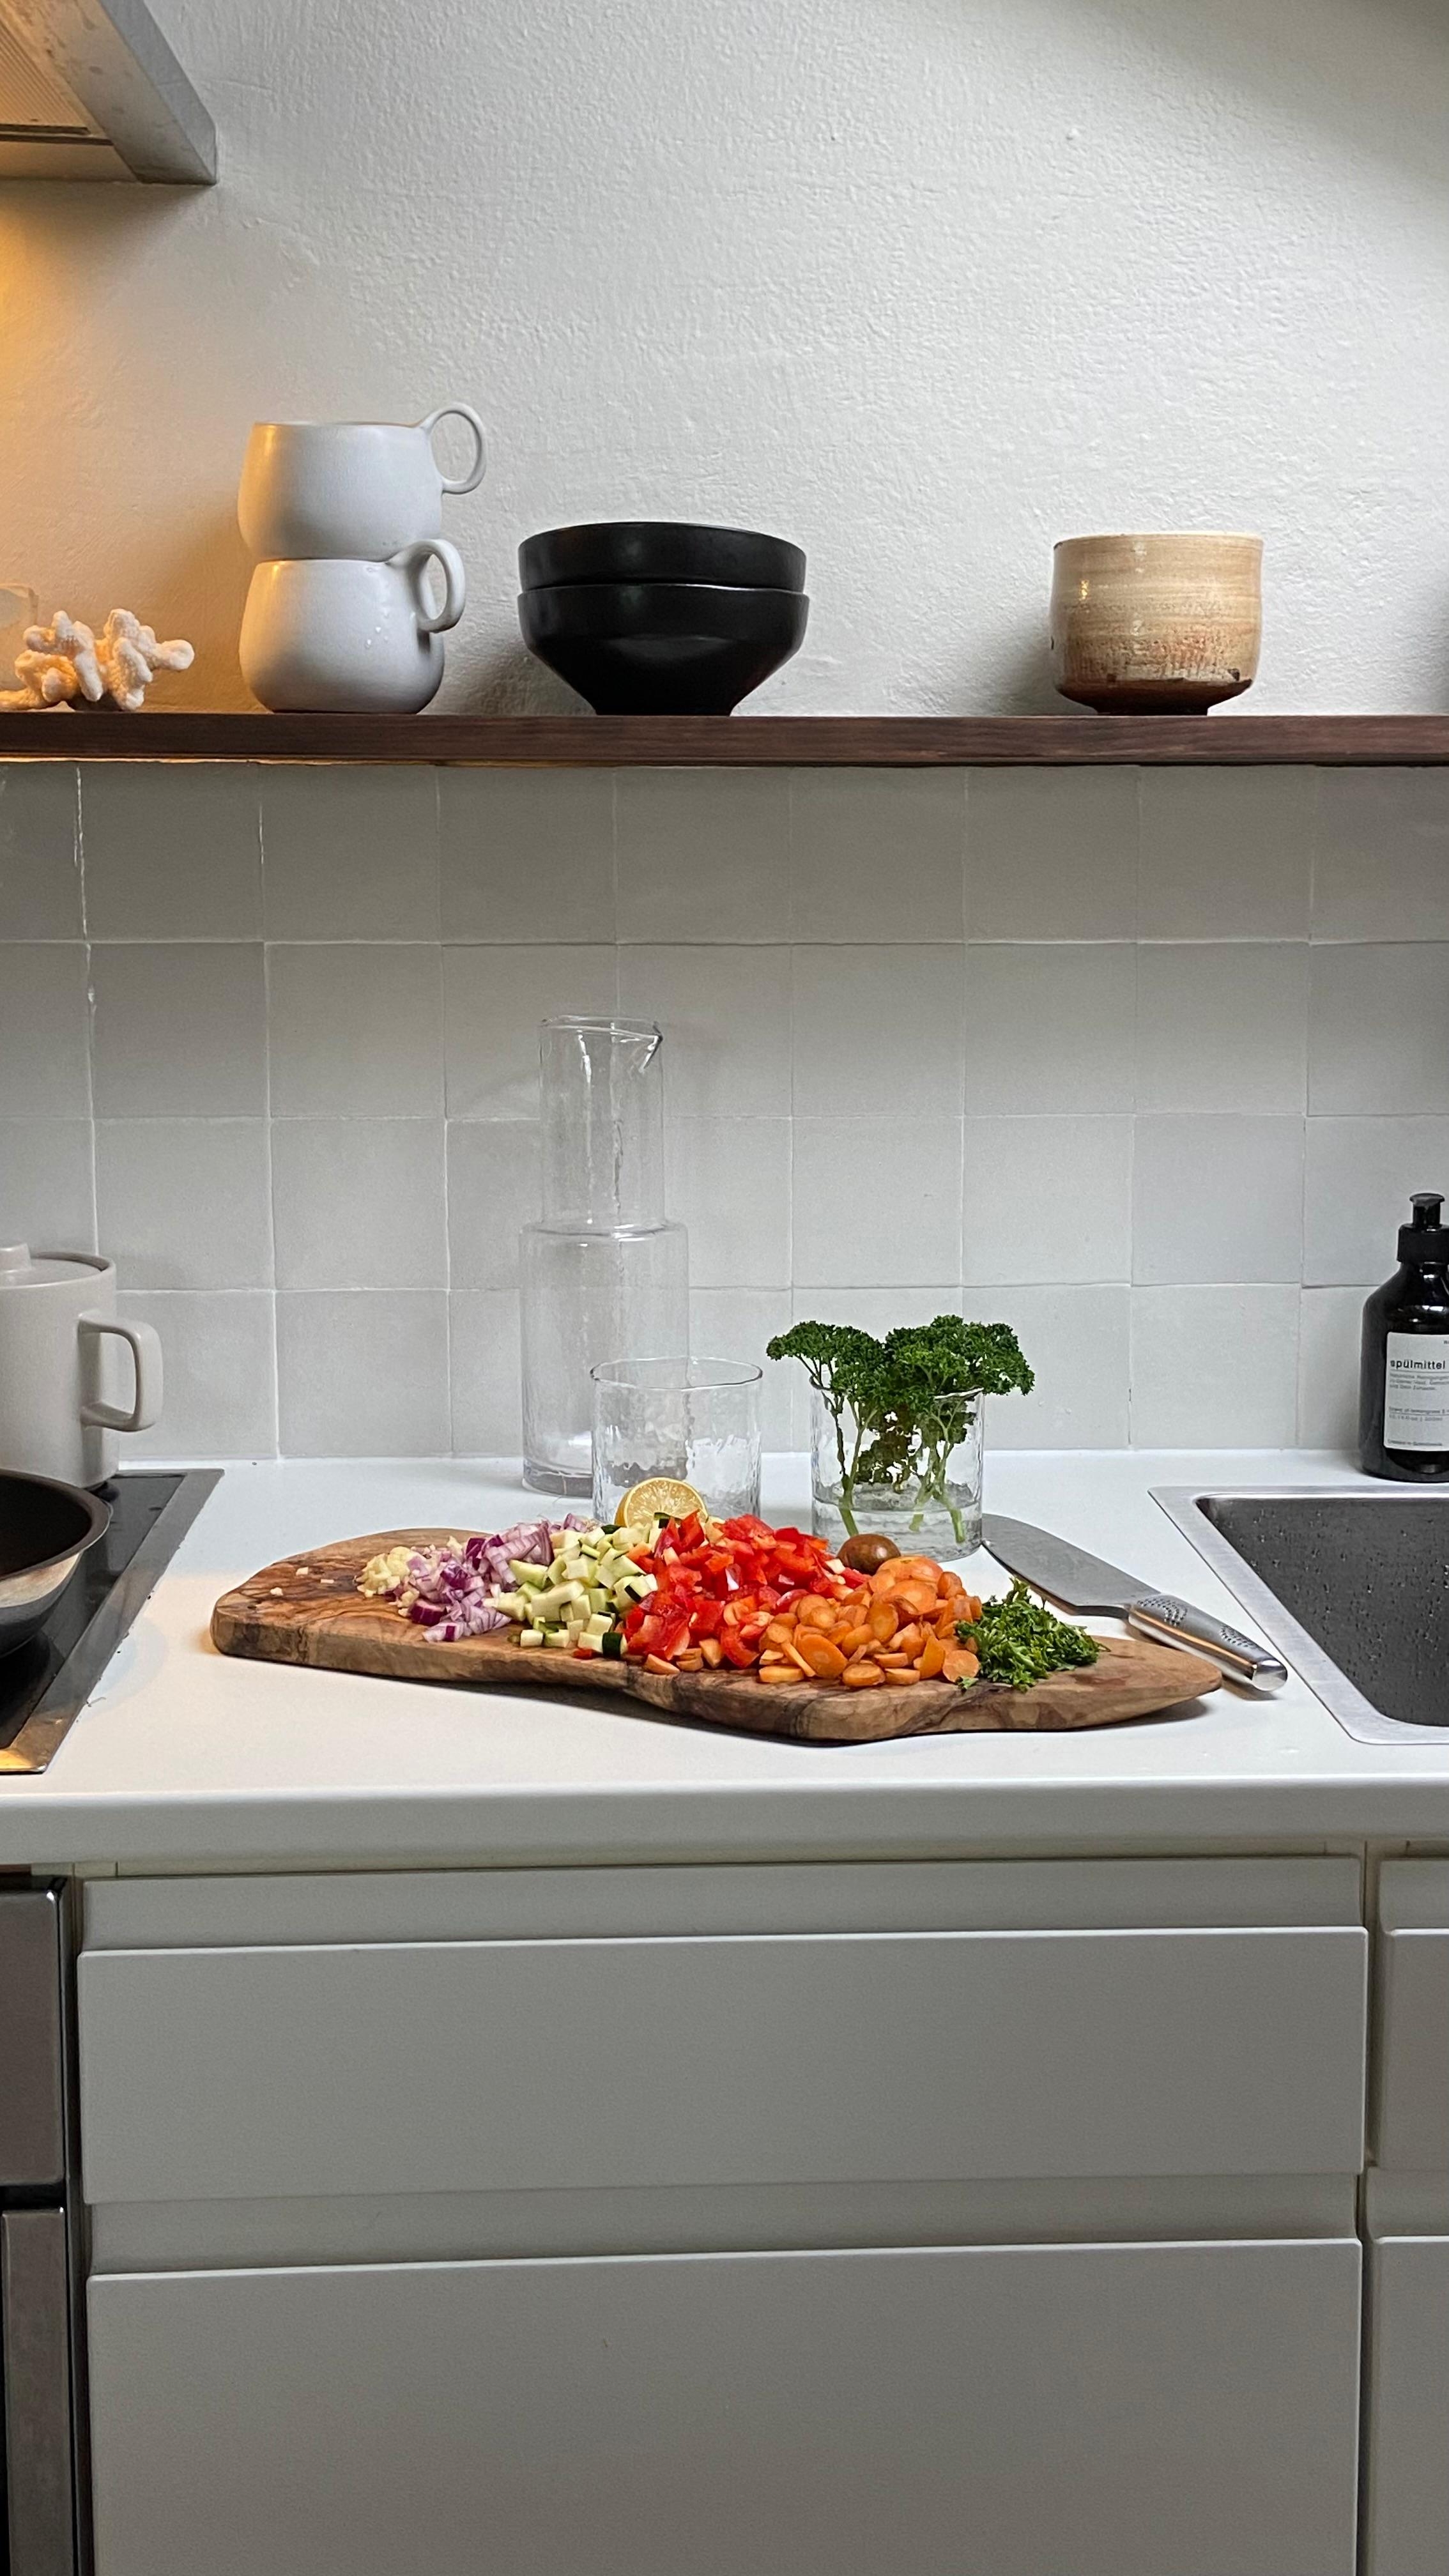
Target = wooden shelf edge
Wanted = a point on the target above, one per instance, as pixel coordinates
(734, 742)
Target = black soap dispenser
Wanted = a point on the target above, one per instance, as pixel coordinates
(1403, 1419)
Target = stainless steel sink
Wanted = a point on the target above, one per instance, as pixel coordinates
(1352, 1587)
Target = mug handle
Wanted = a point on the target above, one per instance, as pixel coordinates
(411, 560)
(470, 481)
(145, 1353)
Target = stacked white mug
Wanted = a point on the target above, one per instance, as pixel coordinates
(343, 519)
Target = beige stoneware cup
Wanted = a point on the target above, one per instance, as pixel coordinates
(1156, 625)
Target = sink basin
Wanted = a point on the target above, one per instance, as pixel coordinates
(1351, 1586)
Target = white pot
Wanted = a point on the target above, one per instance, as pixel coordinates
(359, 488)
(349, 635)
(57, 1317)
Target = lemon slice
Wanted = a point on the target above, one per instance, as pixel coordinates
(664, 1498)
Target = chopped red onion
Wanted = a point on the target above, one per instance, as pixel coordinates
(453, 1585)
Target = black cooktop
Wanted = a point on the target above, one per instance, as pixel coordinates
(45, 1683)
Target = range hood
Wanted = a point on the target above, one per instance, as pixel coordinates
(90, 89)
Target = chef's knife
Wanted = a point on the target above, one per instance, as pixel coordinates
(1083, 1583)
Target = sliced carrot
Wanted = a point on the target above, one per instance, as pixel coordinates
(960, 1665)
(773, 1673)
(712, 1651)
(862, 1677)
(902, 1681)
(690, 1660)
(814, 1613)
(882, 1621)
(657, 1664)
(931, 1658)
(915, 1600)
(890, 1661)
(909, 1640)
(824, 1660)
(853, 1639)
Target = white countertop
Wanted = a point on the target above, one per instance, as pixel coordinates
(186, 1757)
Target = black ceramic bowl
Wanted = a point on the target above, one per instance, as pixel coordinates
(662, 648)
(659, 550)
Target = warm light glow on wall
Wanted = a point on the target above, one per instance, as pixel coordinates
(21, 267)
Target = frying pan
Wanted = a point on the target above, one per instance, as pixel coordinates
(45, 1529)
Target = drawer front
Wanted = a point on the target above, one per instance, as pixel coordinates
(478, 2066)
(1406, 2523)
(1163, 2410)
(1413, 2076)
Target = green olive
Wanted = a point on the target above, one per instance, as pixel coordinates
(867, 1552)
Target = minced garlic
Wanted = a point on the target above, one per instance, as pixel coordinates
(386, 1574)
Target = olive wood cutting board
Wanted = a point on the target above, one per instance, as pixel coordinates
(307, 1610)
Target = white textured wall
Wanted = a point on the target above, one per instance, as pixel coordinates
(922, 283)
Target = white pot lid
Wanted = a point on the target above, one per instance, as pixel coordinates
(19, 1268)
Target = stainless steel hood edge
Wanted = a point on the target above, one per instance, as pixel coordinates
(141, 109)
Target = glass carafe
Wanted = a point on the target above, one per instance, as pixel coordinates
(604, 1273)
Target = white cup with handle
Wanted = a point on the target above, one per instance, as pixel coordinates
(348, 635)
(58, 1324)
(358, 489)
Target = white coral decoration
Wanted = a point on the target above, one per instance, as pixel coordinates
(128, 654)
(66, 660)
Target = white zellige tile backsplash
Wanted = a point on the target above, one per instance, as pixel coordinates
(1144, 1062)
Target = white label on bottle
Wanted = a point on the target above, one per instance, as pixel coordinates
(1416, 1391)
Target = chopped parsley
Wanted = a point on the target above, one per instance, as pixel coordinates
(1018, 1640)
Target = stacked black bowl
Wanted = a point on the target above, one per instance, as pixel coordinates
(647, 617)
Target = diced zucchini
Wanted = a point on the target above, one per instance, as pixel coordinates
(531, 1637)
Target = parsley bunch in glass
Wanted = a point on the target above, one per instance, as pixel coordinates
(901, 1406)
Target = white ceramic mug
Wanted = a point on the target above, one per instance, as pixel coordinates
(350, 636)
(57, 1319)
(351, 488)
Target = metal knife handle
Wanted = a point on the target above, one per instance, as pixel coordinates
(1176, 1623)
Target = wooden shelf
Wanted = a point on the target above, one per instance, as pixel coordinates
(735, 742)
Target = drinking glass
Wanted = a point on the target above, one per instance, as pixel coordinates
(19, 608)
(698, 1420)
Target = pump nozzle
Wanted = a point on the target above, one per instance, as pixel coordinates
(1425, 1239)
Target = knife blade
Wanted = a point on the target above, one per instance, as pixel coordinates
(1082, 1582)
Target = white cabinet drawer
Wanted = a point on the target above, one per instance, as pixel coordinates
(1160, 2410)
(1412, 2121)
(517, 2065)
(1406, 2521)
